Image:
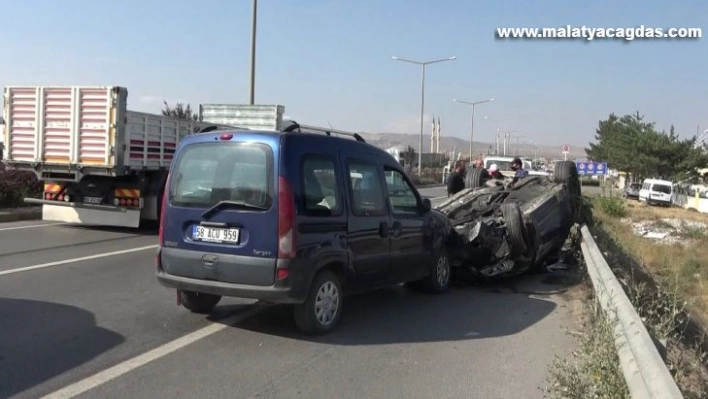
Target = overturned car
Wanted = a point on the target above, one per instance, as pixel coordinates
(503, 229)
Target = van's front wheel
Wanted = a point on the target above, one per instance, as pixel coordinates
(321, 311)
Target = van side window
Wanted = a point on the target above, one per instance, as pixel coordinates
(367, 195)
(319, 186)
(400, 194)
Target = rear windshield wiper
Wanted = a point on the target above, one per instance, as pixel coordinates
(231, 204)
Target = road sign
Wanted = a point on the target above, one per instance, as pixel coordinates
(591, 168)
(566, 148)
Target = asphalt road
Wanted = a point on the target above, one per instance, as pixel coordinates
(81, 315)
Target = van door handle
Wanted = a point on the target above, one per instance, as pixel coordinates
(383, 230)
(396, 229)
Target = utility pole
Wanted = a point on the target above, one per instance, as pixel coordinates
(252, 96)
(497, 140)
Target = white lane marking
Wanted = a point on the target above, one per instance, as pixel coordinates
(74, 260)
(116, 371)
(31, 226)
(438, 198)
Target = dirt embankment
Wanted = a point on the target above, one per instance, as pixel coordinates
(659, 255)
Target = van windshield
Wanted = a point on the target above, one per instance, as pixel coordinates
(661, 188)
(206, 174)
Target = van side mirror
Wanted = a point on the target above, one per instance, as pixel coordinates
(427, 206)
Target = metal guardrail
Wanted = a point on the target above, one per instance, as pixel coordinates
(643, 368)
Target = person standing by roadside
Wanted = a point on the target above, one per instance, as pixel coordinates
(494, 172)
(518, 166)
(456, 179)
(479, 163)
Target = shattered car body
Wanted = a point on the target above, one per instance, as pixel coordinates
(502, 230)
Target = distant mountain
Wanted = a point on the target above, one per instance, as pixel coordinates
(447, 144)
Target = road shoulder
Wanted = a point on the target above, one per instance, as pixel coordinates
(20, 214)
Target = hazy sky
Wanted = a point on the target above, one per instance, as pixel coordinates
(330, 61)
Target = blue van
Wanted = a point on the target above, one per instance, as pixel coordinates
(294, 217)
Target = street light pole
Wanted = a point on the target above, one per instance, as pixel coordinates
(473, 104)
(422, 64)
(422, 112)
(252, 94)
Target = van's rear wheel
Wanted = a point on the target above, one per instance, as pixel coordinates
(198, 302)
(321, 311)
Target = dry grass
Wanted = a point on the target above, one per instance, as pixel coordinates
(642, 211)
(683, 264)
(592, 371)
(680, 271)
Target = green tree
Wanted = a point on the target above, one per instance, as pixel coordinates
(634, 146)
(180, 111)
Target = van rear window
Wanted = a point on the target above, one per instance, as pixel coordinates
(208, 173)
(661, 188)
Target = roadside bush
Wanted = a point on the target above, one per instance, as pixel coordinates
(590, 182)
(16, 185)
(612, 206)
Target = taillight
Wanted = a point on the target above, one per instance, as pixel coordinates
(163, 210)
(286, 219)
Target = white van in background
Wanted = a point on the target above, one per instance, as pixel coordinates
(656, 191)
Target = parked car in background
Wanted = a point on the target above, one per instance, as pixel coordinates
(632, 191)
(294, 217)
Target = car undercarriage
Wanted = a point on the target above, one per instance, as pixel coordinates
(502, 229)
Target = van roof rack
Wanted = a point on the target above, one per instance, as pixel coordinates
(293, 126)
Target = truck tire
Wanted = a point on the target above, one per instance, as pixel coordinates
(325, 293)
(476, 177)
(515, 228)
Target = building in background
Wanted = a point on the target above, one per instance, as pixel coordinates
(2, 135)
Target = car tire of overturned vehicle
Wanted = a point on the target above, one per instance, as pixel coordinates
(476, 177)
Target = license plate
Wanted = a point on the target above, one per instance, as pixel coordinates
(216, 235)
(93, 200)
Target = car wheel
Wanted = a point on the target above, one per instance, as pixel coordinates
(321, 311)
(515, 227)
(476, 177)
(564, 170)
(198, 302)
(438, 281)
